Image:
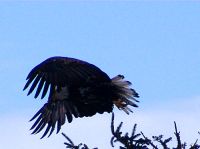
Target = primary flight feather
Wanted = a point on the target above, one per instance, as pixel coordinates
(76, 89)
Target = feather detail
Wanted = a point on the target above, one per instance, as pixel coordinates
(52, 114)
(126, 95)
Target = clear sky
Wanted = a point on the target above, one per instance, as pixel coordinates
(156, 45)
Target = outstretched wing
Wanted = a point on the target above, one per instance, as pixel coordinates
(58, 73)
(61, 71)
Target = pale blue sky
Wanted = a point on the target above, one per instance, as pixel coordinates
(156, 45)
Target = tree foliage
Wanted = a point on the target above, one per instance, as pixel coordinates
(135, 140)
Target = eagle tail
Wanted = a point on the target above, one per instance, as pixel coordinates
(125, 95)
(52, 114)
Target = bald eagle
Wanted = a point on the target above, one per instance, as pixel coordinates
(76, 89)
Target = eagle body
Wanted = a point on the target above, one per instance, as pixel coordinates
(76, 89)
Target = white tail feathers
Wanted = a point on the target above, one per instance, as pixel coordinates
(126, 95)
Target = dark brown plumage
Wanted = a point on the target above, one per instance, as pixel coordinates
(76, 89)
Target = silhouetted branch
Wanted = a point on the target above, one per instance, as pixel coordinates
(135, 140)
(71, 145)
(177, 134)
(150, 142)
(129, 142)
(161, 141)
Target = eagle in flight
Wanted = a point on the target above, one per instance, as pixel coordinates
(76, 89)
